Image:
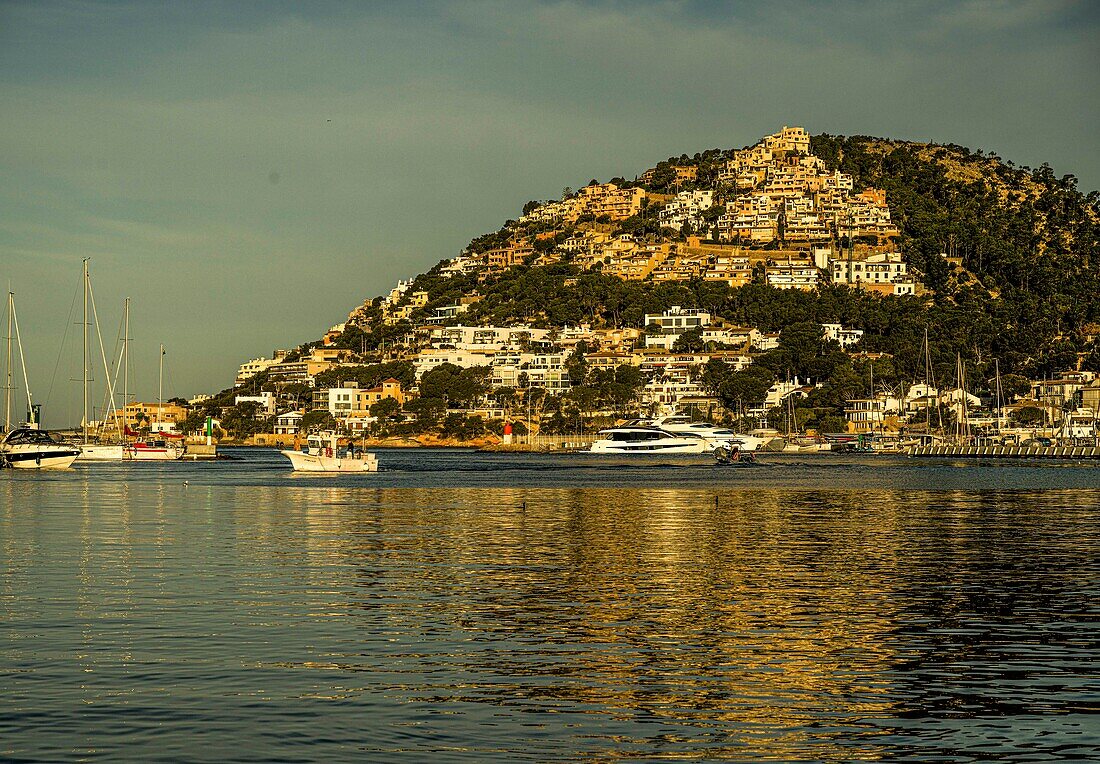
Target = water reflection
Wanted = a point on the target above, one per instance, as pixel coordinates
(546, 622)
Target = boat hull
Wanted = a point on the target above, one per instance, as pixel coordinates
(303, 462)
(648, 448)
(155, 454)
(39, 459)
(103, 453)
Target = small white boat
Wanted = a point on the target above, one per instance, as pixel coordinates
(631, 439)
(324, 454)
(31, 448)
(155, 451)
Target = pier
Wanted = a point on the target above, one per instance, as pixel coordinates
(1008, 452)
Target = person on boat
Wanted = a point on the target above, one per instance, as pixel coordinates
(730, 453)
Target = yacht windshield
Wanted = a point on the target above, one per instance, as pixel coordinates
(27, 436)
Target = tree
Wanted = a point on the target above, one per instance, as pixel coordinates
(314, 421)
(576, 364)
(460, 386)
(426, 410)
(1014, 386)
(192, 423)
(690, 341)
(1028, 416)
(385, 409)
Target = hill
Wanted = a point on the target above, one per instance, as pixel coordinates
(1008, 256)
(892, 241)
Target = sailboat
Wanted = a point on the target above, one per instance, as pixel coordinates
(98, 451)
(166, 447)
(26, 446)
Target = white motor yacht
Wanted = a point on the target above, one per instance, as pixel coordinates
(715, 435)
(631, 439)
(31, 448)
(324, 454)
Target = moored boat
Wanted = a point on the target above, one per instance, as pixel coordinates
(104, 452)
(31, 448)
(155, 451)
(715, 435)
(324, 454)
(636, 439)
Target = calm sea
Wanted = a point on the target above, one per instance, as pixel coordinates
(474, 607)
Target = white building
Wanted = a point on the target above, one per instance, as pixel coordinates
(249, 369)
(265, 400)
(880, 270)
(484, 338)
(667, 394)
(429, 358)
(288, 423)
(845, 337)
(678, 320)
(530, 370)
(792, 275)
(686, 207)
(338, 401)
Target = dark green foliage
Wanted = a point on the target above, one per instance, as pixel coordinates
(426, 410)
(462, 427)
(455, 385)
(367, 376)
(690, 341)
(1029, 415)
(737, 389)
(385, 408)
(314, 421)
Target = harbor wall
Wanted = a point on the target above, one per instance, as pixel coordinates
(1008, 452)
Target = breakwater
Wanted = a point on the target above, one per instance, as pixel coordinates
(1009, 452)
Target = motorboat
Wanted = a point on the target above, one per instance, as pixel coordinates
(726, 455)
(323, 453)
(27, 446)
(715, 435)
(631, 439)
(159, 450)
(31, 448)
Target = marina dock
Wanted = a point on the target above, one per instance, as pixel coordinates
(1008, 452)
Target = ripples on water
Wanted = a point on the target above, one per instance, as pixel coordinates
(244, 615)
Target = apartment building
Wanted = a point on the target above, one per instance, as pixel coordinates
(883, 272)
(844, 336)
(686, 207)
(792, 275)
(677, 319)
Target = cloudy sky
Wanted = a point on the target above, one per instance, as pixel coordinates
(248, 173)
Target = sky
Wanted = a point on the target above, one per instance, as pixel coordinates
(249, 173)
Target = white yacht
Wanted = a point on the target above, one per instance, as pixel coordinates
(31, 448)
(631, 439)
(715, 435)
(323, 454)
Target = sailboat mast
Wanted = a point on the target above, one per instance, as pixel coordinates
(160, 388)
(125, 354)
(874, 417)
(997, 367)
(8, 378)
(927, 386)
(84, 375)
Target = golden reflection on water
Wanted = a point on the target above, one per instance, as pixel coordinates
(654, 620)
(654, 600)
